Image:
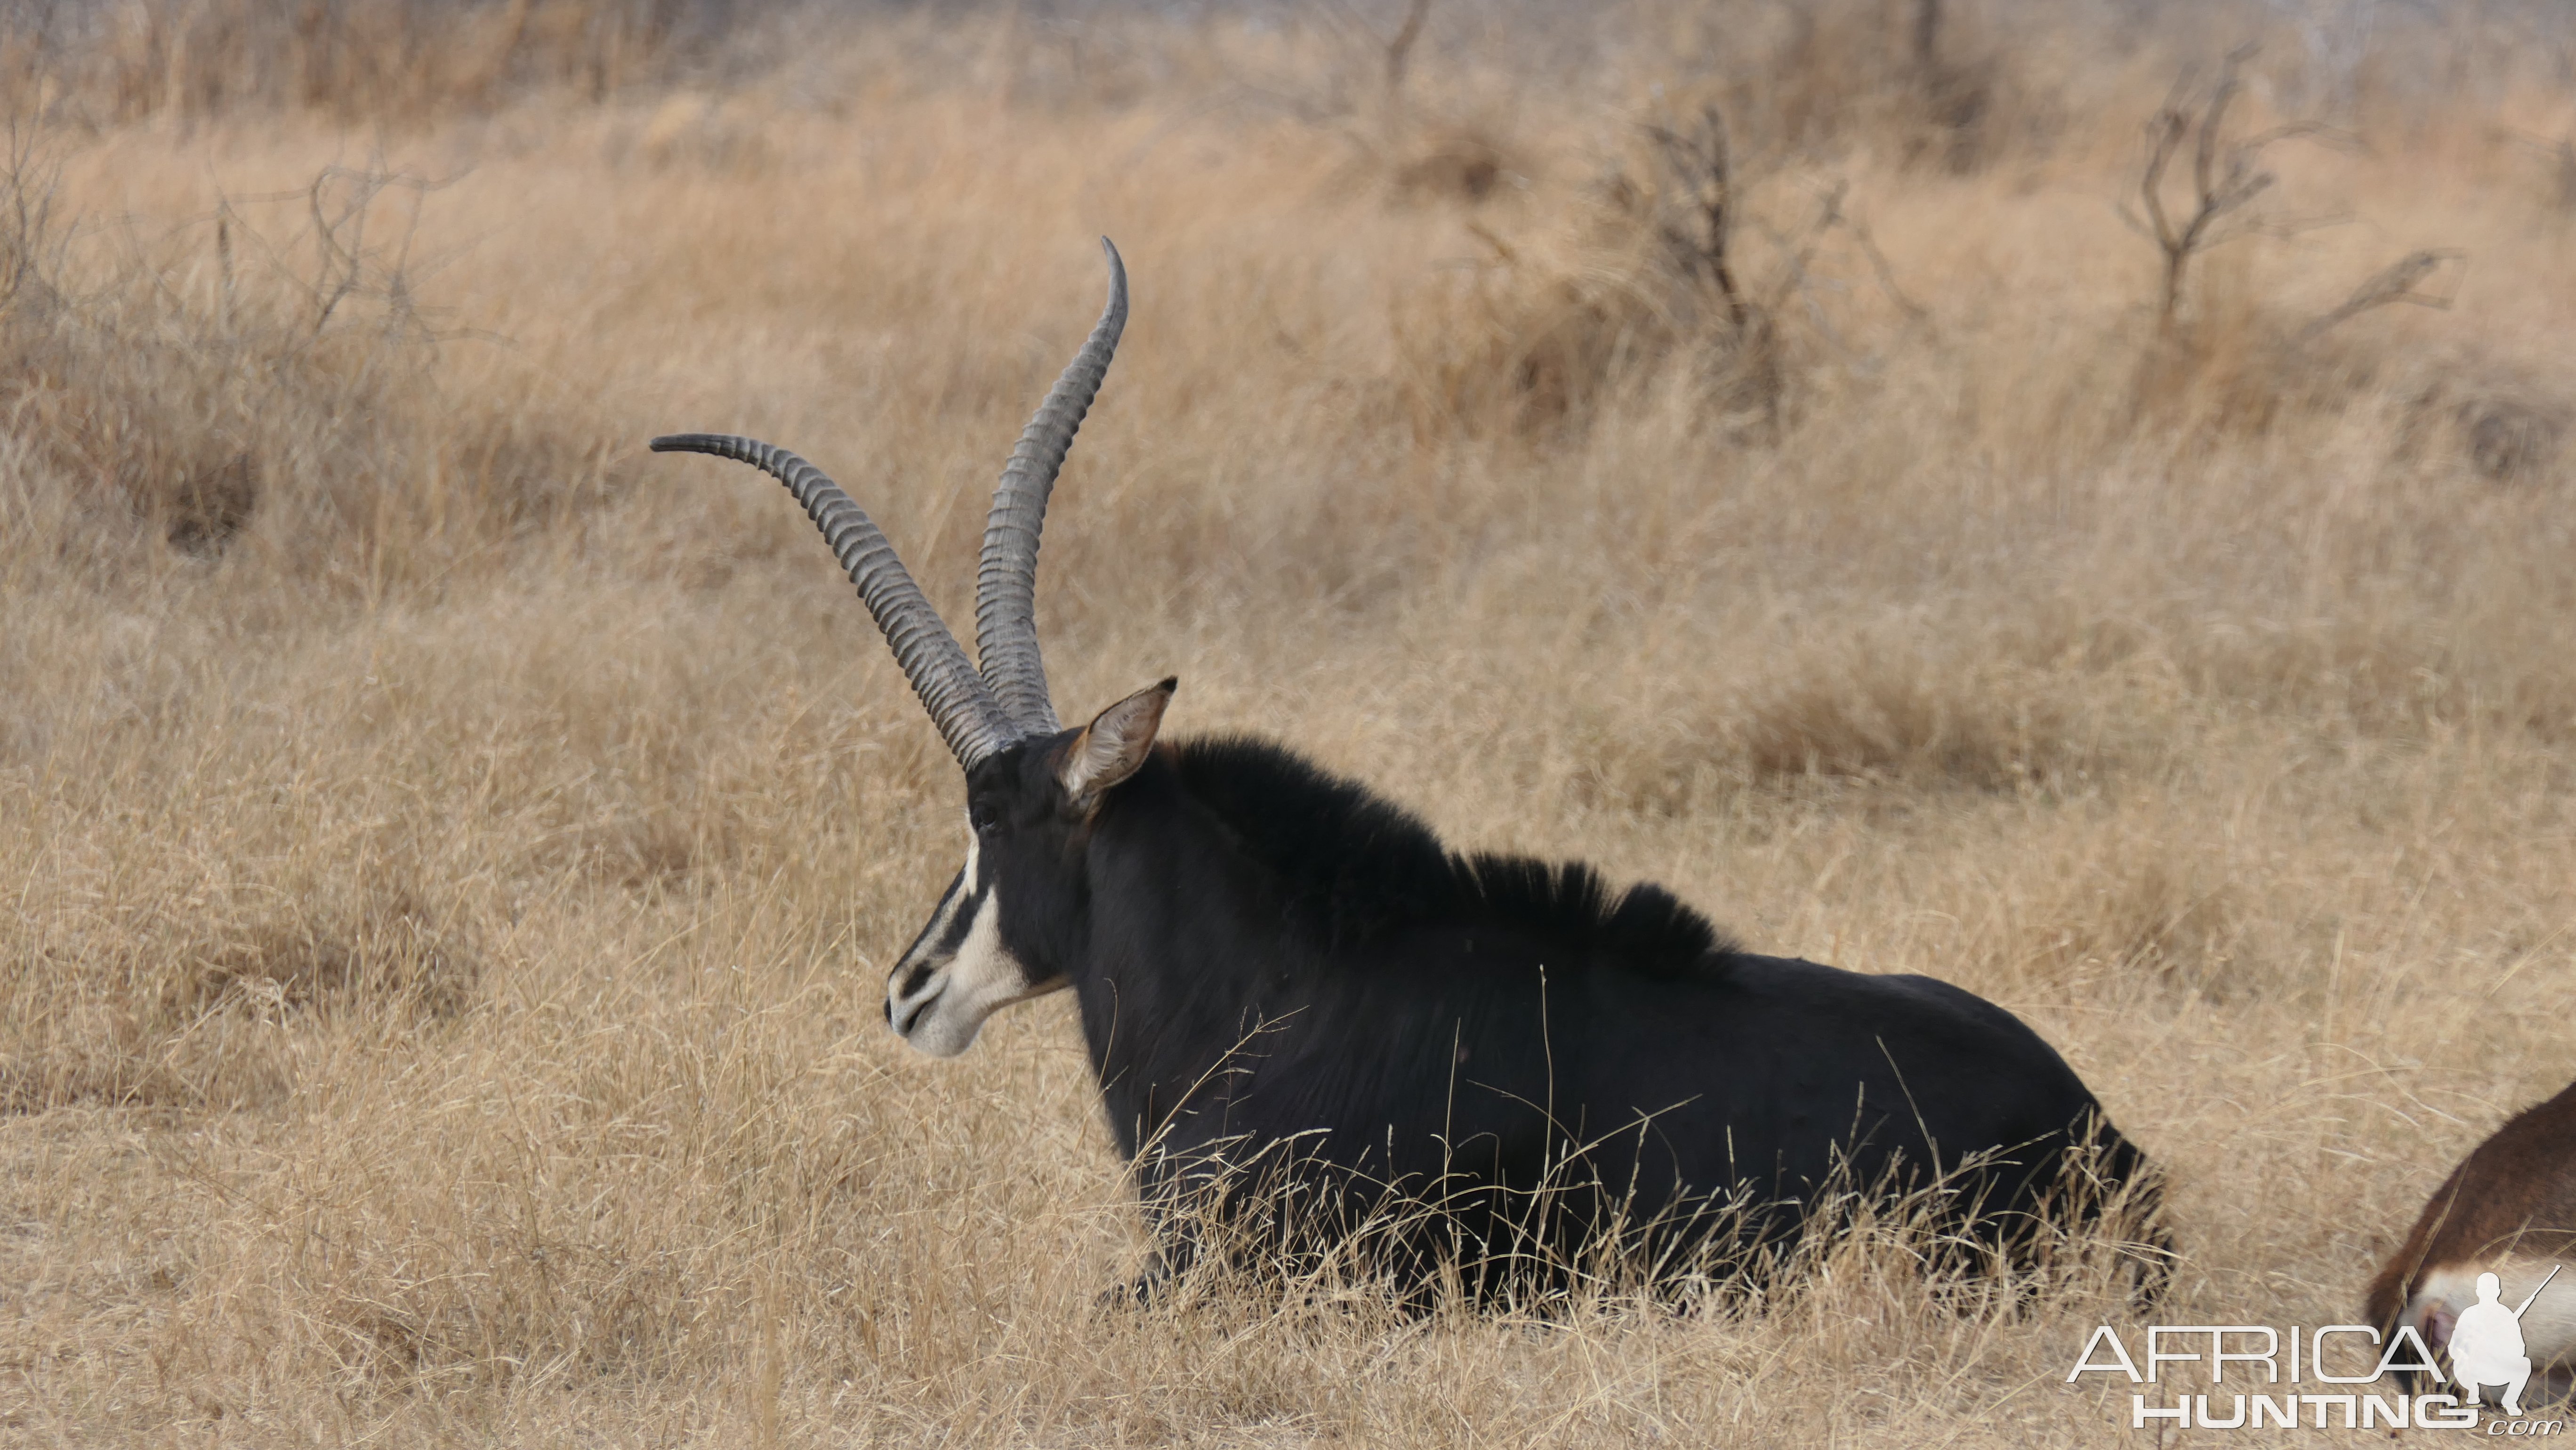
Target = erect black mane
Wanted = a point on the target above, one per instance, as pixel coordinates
(1355, 866)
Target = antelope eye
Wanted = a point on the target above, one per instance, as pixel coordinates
(985, 822)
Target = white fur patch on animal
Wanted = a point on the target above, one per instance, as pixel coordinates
(981, 976)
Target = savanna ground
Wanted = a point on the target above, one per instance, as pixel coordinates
(450, 854)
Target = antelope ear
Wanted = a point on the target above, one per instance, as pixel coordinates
(1113, 745)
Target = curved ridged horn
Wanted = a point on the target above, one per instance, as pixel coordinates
(1006, 578)
(969, 718)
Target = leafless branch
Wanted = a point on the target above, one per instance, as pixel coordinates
(2392, 285)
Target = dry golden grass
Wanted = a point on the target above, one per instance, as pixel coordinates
(449, 857)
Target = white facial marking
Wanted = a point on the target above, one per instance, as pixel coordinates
(943, 1013)
(900, 1004)
(980, 979)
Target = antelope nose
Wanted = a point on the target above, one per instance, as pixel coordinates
(908, 1015)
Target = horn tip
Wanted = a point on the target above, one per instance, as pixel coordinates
(722, 444)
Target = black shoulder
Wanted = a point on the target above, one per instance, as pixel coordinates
(1351, 862)
(1353, 865)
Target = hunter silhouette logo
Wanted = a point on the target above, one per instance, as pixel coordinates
(2487, 1347)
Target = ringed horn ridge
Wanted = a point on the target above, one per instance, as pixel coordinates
(977, 713)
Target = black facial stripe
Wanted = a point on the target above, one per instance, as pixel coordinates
(921, 940)
(962, 923)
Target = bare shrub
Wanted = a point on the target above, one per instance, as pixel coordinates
(2226, 176)
(247, 379)
(2240, 362)
(1655, 280)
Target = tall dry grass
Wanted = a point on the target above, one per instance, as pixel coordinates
(449, 856)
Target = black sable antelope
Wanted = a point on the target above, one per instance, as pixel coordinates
(1278, 967)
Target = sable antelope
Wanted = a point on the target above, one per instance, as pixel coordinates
(2509, 1210)
(1276, 965)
